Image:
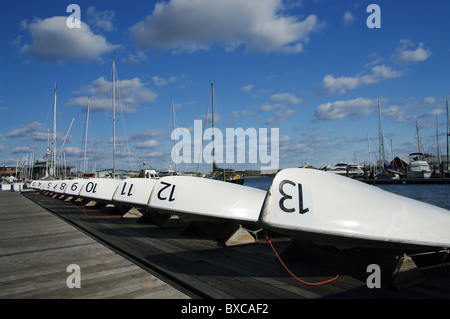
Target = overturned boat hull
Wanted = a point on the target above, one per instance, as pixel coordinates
(323, 207)
(331, 209)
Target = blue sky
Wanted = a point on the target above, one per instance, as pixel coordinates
(311, 68)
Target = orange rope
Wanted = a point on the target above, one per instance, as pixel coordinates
(46, 197)
(84, 211)
(302, 281)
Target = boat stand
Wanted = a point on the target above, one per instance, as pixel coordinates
(406, 274)
(226, 234)
(408, 270)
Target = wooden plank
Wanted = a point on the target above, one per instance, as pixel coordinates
(241, 272)
(36, 247)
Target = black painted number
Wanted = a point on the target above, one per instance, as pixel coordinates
(91, 187)
(124, 190)
(286, 196)
(167, 186)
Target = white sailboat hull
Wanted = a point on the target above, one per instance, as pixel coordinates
(207, 199)
(320, 206)
(74, 186)
(134, 192)
(333, 209)
(99, 189)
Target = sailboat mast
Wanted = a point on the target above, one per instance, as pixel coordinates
(438, 151)
(86, 133)
(54, 135)
(114, 118)
(417, 136)
(174, 141)
(448, 134)
(212, 110)
(47, 153)
(64, 141)
(381, 136)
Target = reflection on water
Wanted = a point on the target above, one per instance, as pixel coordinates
(435, 194)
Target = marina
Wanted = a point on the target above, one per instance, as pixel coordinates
(196, 264)
(123, 204)
(407, 181)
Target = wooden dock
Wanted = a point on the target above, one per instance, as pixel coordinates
(36, 247)
(194, 263)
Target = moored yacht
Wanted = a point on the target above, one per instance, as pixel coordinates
(352, 170)
(418, 166)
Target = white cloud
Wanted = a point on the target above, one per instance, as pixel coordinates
(344, 83)
(434, 112)
(22, 149)
(395, 112)
(282, 101)
(100, 20)
(280, 116)
(131, 91)
(159, 81)
(247, 88)
(355, 108)
(348, 18)
(285, 98)
(189, 26)
(267, 107)
(72, 151)
(27, 131)
(240, 114)
(147, 144)
(408, 52)
(53, 41)
(429, 101)
(143, 135)
(136, 57)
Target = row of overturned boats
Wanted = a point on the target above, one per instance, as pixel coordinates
(304, 203)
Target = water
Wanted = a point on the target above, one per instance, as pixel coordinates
(435, 194)
(259, 182)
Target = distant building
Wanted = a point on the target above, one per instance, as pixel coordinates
(101, 172)
(400, 162)
(37, 171)
(42, 169)
(8, 171)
